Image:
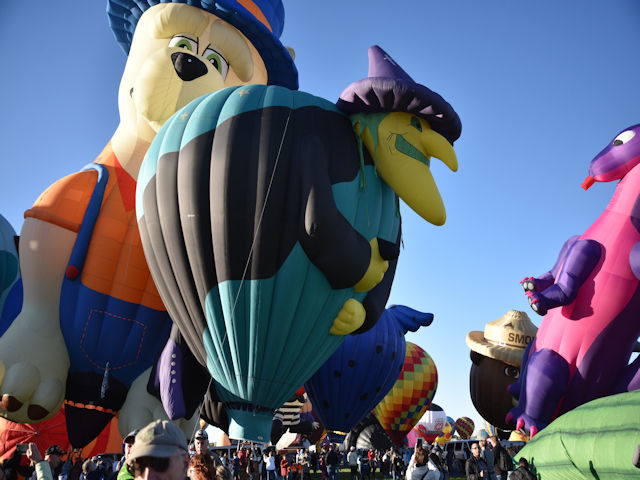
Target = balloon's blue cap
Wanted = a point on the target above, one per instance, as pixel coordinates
(261, 21)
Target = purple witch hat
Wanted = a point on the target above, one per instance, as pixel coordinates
(388, 88)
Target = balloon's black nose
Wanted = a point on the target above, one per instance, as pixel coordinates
(187, 66)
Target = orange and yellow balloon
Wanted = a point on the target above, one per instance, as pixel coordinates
(410, 396)
(446, 435)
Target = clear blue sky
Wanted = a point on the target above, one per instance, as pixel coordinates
(540, 87)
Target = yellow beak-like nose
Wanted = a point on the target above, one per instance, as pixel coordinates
(403, 154)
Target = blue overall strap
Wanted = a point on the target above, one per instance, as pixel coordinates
(79, 252)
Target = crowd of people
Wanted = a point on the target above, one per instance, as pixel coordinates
(490, 461)
(160, 452)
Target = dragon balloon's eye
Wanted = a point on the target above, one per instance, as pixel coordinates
(217, 60)
(415, 123)
(511, 371)
(181, 41)
(623, 138)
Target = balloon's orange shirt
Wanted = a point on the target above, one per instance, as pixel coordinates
(115, 264)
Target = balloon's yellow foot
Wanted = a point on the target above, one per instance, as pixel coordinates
(376, 270)
(349, 319)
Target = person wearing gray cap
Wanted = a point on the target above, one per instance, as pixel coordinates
(159, 453)
(201, 445)
(201, 442)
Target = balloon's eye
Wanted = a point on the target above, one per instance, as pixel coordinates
(181, 41)
(415, 123)
(511, 371)
(623, 138)
(217, 60)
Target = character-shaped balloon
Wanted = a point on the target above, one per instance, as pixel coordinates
(363, 369)
(590, 301)
(496, 355)
(266, 225)
(92, 320)
(410, 396)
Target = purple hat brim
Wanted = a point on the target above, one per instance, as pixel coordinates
(385, 95)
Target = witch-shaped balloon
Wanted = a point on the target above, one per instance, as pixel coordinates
(267, 227)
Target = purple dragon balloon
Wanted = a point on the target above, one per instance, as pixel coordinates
(590, 301)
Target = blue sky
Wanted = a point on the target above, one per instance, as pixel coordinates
(541, 87)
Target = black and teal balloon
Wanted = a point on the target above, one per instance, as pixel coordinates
(256, 212)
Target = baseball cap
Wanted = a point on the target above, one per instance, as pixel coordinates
(55, 450)
(131, 436)
(158, 439)
(202, 434)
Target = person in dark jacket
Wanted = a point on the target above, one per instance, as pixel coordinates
(476, 468)
(331, 461)
(501, 459)
(522, 472)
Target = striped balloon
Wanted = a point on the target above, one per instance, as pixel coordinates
(464, 427)
(410, 396)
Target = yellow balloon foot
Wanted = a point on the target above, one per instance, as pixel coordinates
(349, 319)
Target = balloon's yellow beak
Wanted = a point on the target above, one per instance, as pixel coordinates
(403, 151)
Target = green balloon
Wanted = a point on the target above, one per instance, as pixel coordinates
(594, 441)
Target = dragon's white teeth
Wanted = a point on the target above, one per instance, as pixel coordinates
(439, 115)
(428, 110)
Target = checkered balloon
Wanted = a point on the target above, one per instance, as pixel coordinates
(410, 396)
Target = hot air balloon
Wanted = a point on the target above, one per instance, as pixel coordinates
(447, 432)
(452, 423)
(363, 369)
(10, 285)
(368, 433)
(464, 427)
(54, 432)
(496, 356)
(265, 271)
(431, 424)
(410, 396)
(112, 322)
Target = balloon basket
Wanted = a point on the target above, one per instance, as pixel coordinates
(254, 426)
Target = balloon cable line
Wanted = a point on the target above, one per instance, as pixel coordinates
(246, 266)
